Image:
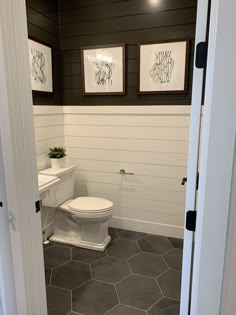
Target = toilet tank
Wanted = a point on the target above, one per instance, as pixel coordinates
(64, 190)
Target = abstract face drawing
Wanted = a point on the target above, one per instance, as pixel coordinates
(38, 66)
(103, 72)
(162, 69)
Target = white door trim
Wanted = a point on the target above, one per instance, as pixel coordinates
(193, 156)
(216, 161)
(16, 121)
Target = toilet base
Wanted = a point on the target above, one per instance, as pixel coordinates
(79, 243)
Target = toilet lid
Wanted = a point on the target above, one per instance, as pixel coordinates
(90, 204)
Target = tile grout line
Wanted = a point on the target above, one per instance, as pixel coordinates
(155, 303)
(127, 260)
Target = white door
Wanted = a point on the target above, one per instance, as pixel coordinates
(193, 157)
(7, 281)
(19, 158)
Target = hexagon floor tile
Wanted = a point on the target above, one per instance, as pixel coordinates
(176, 242)
(47, 276)
(58, 300)
(130, 235)
(71, 275)
(147, 265)
(165, 307)
(174, 258)
(110, 269)
(155, 244)
(125, 310)
(170, 284)
(134, 266)
(94, 298)
(56, 255)
(122, 249)
(86, 255)
(113, 234)
(138, 291)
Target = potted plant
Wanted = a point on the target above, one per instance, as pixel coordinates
(56, 156)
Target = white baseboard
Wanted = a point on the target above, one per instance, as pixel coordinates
(147, 227)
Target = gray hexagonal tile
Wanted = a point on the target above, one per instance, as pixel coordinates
(113, 234)
(176, 242)
(174, 258)
(64, 245)
(73, 313)
(125, 310)
(47, 276)
(71, 275)
(138, 291)
(165, 307)
(155, 244)
(48, 245)
(122, 248)
(130, 235)
(170, 284)
(110, 269)
(86, 255)
(58, 301)
(55, 256)
(94, 298)
(149, 265)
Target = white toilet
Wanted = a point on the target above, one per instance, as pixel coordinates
(83, 221)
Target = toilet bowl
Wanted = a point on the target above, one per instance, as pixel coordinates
(82, 221)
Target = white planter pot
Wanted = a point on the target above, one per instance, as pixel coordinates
(57, 163)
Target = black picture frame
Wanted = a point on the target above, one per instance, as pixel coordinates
(82, 49)
(41, 92)
(186, 65)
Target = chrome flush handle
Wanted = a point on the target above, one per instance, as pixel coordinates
(123, 172)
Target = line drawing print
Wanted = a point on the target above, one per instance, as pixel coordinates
(163, 66)
(103, 72)
(38, 67)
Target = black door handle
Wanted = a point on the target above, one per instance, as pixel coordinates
(1, 204)
(184, 180)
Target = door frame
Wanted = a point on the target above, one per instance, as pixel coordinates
(193, 156)
(20, 165)
(19, 160)
(216, 162)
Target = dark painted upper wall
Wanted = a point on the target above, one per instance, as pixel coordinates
(43, 25)
(98, 22)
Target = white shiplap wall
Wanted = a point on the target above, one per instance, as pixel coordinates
(49, 131)
(151, 142)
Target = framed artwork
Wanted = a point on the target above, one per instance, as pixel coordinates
(41, 73)
(163, 67)
(103, 70)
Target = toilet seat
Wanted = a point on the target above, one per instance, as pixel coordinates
(90, 205)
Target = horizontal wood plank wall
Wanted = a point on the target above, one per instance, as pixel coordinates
(49, 131)
(151, 142)
(101, 22)
(43, 25)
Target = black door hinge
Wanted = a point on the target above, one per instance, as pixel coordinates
(37, 206)
(197, 181)
(201, 55)
(191, 217)
(1, 204)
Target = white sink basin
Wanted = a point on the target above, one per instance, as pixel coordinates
(46, 182)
